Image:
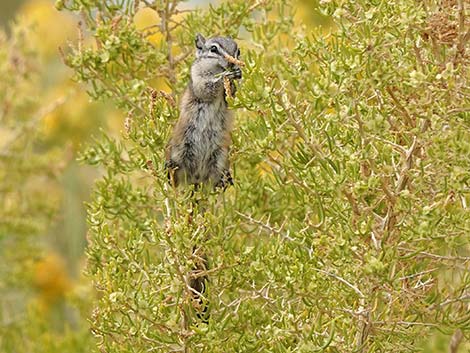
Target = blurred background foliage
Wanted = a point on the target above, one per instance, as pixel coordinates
(46, 118)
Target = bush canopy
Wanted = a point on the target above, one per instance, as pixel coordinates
(347, 227)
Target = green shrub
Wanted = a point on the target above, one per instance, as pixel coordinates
(347, 227)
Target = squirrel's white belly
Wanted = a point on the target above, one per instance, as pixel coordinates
(206, 140)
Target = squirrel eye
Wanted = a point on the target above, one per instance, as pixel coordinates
(214, 49)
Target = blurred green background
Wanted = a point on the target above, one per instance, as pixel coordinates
(43, 309)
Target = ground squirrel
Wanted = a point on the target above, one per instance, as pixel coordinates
(198, 149)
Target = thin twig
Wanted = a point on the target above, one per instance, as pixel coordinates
(462, 37)
(418, 274)
(406, 323)
(342, 280)
(435, 256)
(266, 226)
(455, 341)
(406, 115)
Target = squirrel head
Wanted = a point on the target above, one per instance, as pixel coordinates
(215, 50)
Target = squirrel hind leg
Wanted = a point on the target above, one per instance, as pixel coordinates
(172, 171)
(225, 180)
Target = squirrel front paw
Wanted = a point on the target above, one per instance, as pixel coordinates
(170, 164)
(234, 74)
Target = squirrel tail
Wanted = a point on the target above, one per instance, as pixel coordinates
(198, 283)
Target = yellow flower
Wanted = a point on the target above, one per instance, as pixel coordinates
(51, 279)
(51, 28)
(147, 20)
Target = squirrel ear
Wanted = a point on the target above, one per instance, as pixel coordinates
(200, 40)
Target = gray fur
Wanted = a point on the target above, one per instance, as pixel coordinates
(198, 149)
